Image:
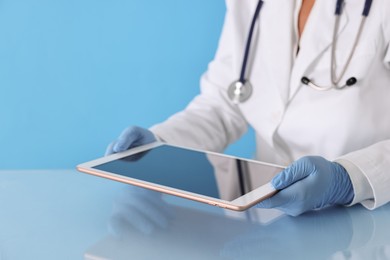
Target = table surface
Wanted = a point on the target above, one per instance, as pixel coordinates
(64, 214)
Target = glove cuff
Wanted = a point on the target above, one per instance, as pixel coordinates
(343, 192)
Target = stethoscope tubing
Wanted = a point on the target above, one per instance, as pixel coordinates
(336, 79)
(240, 90)
(249, 41)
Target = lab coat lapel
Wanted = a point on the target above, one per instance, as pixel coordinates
(316, 38)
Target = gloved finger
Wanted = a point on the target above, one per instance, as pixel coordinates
(295, 172)
(110, 148)
(291, 200)
(283, 202)
(282, 198)
(126, 138)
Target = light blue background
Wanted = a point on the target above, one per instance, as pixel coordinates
(75, 73)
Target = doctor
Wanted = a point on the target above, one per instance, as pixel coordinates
(312, 77)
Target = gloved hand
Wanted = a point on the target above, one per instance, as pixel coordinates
(132, 136)
(311, 182)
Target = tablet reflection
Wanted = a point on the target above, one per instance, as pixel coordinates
(146, 211)
(335, 233)
(169, 226)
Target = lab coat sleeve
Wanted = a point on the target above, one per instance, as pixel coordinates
(369, 170)
(211, 121)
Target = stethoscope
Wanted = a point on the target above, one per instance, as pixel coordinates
(241, 90)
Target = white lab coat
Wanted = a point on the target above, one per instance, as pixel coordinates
(291, 120)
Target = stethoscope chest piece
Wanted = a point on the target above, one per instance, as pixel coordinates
(240, 92)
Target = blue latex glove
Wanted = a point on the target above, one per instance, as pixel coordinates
(131, 137)
(311, 182)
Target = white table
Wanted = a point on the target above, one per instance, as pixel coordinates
(63, 214)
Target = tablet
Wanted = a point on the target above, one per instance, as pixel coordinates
(216, 179)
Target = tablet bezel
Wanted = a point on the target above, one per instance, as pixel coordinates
(242, 203)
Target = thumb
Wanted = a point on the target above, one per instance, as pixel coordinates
(126, 139)
(266, 204)
(110, 148)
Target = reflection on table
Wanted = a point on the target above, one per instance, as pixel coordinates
(194, 233)
(63, 214)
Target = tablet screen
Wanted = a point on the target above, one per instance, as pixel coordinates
(208, 174)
